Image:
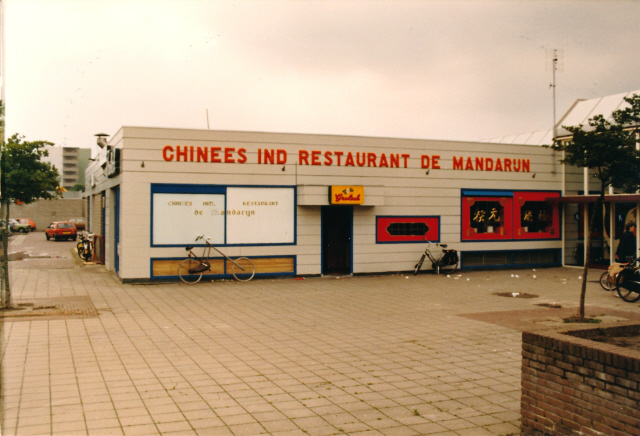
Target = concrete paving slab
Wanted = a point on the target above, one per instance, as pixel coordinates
(369, 355)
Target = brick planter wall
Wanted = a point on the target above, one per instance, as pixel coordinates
(572, 385)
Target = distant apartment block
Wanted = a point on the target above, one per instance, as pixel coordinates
(71, 163)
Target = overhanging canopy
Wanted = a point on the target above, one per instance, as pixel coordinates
(619, 198)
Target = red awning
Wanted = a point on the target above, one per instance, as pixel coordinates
(619, 198)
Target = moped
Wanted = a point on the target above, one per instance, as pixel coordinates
(84, 246)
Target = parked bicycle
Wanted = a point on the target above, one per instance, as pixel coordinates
(446, 263)
(193, 267)
(85, 246)
(608, 278)
(606, 282)
(628, 282)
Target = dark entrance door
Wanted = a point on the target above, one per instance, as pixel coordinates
(337, 234)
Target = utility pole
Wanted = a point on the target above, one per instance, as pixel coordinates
(554, 67)
(5, 295)
(555, 56)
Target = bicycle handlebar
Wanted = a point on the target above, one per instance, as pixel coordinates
(438, 244)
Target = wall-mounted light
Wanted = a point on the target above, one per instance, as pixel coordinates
(427, 173)
(102, 139)
(283, 168)
(142, 164)
(533, 176)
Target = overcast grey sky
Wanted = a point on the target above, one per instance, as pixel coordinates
(458, 70)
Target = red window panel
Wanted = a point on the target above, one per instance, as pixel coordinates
(486, 218)
(407, 229)
(535, 218)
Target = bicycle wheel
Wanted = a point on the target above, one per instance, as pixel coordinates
(448, 269)
(604, 281)
(87, 255)
(244, 271)
(614, 286)
(418, 266)
(184, 274)
(627, 286)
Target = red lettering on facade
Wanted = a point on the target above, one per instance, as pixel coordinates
(371, 159)
(435, 161)
(395, 160)
(167, 153)
(315, 158)
(269, 156)
(303, 156)
(190, 153)
(516, 165)
(243, 156)
(181, 153)
(281, 157)
(214, 155)
(469, 165)
(350, 197)
(425, 161)
(489, 163)
(406, 157)
(327, 158)
(383, 161)
(349, 161)
(203, 154)
(228, 155)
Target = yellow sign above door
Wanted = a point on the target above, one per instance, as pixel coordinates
(346, 195)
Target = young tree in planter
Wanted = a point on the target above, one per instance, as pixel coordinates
(609, 148)
(24, 177)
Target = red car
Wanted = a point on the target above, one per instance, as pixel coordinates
(61, 230)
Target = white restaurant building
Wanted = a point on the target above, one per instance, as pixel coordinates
(302, 204)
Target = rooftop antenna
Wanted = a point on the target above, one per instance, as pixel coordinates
(556, 63)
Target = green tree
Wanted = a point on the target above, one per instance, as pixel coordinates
(608, 148)
(24, 177)
(78, 187)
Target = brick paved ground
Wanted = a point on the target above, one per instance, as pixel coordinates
(374, 355)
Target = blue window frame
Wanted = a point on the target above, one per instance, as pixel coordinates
(219, 215)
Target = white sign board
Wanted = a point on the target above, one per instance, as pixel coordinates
(260, 216)
(179, 218)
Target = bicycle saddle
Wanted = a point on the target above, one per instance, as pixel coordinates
(443, 245)
(188, 248)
